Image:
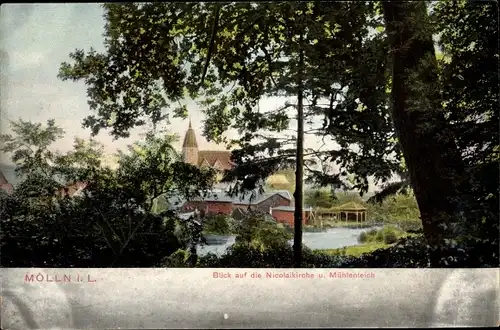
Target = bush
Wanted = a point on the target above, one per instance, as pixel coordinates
(390, 237)
(263, 233)
(411, 252)
(248, 256)
(363, 237)
(414, 225)
(178, 259)
(379, 237)
(217, 224)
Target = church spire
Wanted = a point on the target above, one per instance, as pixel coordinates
(190, 138)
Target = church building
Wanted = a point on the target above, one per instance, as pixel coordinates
(218, 159)
(276, 203)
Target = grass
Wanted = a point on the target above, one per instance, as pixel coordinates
(355, 250)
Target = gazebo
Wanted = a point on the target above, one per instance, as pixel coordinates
(346, 212)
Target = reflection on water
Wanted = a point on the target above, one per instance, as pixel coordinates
(218, 249)
(332, 238)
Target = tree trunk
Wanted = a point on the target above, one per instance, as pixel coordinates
(432, 157)
(299, 168)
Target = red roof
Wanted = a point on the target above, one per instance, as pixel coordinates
(212, 156)
(3, 180)
(72, 189)
(7, 187)
(4, 184)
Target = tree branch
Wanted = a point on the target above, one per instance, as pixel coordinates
(215, 27)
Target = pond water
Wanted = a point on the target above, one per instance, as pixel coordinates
(332, 238)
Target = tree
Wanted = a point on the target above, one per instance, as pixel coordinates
(428, 105)
(257, 231)
(262, 49)
(379, 109)
(112, 223)
(419, 120)
(217, 224)
(400, 209)
(30, 145)
(319, 198)
(420, 103)
(469, 79)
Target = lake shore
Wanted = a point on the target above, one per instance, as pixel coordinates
(330, 238)
(345, 224)
(355, 250)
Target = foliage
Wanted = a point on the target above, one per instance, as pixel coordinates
(387, 235)
(217, 224)
(156, 159)
(141, 72)
(400, 210)
(414, 251)
(156, 54)
(469, 76)
(344, 197)
(238, 256)
(261, 232)
(401, 186)
(363, 237)
(409, 252)
(318, 198)
(29, 145)
(262, 49)
(433, 97)
(56, 233)
(178, 259)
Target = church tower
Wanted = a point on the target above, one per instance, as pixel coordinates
(190, 147)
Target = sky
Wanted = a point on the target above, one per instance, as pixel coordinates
(35, 40)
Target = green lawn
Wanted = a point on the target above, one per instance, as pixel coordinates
(355, 250)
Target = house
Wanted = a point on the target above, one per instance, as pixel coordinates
(220, 202)
(174, 203)
(5, 185)
(214, 204)
(217, 159)
(72, 190)
(263, 201)
(285, 215)
(191, 216)
(69, 190)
